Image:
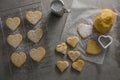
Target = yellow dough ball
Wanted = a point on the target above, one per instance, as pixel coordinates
(104, 21)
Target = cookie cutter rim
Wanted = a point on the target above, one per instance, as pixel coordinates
(105, 36)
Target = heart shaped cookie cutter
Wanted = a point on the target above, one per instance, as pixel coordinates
(105, 43)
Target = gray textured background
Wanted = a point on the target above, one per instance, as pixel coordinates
(46, 70)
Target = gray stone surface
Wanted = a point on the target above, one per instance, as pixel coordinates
(46, 70)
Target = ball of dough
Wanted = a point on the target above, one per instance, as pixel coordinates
(104, 21)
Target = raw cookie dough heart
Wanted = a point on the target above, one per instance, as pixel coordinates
(13, 23)
(33, 16)
(62, 48)
(84, 30)
(35, 35)
(62, 65)
(18, 59)
(37, 54)
(93, 47)
(73, 41)
(78, 65)
(14, 40)
(73, 55)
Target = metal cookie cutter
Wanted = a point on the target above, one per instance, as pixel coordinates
(105, 40)
(58, 8)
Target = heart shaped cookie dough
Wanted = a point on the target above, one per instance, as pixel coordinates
(33, 16)
(62, 65)
(14, 40)
(93, 47)
(13, 23)
(73, 41)
(73, 55)
(62, 48)
(37, 54)
(84, 30)
(35, 35)
(18, 59)
(78, 65)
